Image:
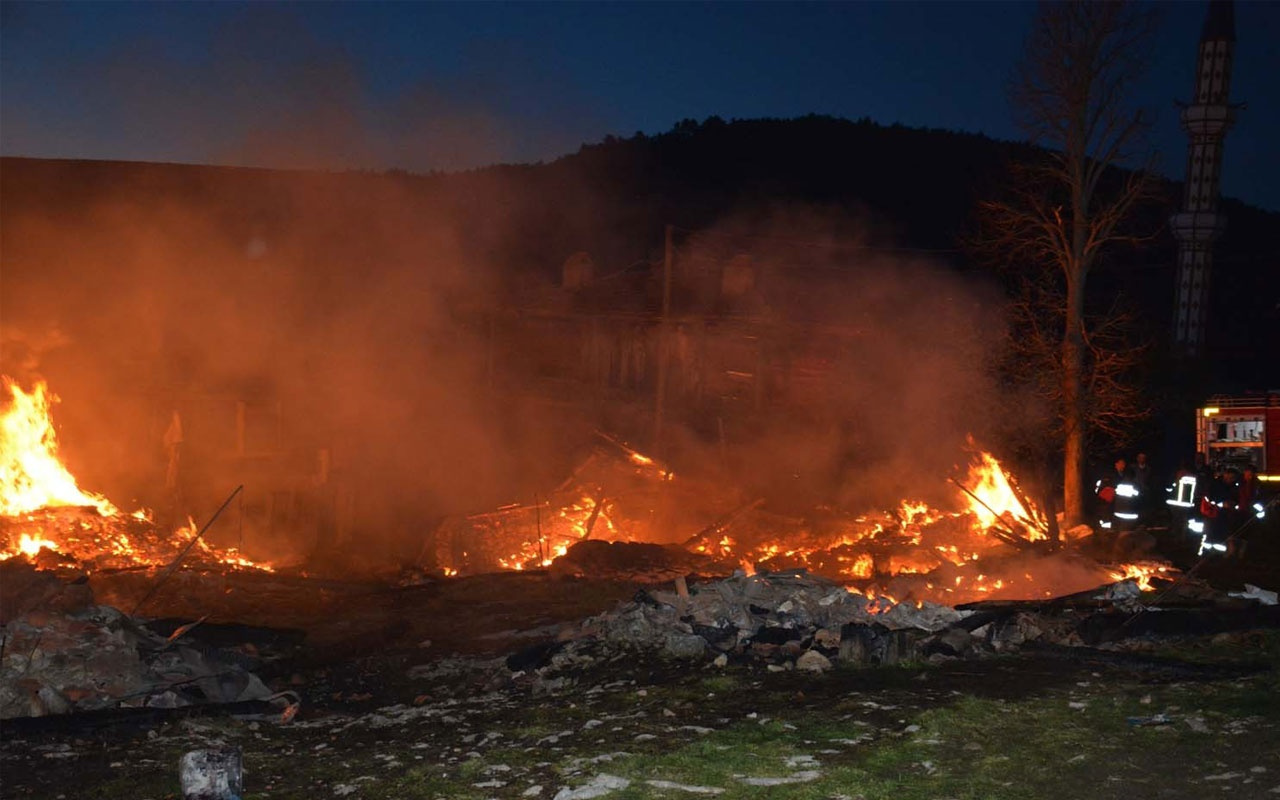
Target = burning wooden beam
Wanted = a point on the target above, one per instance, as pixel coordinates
(721, 524)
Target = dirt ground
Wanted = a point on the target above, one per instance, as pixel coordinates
(406, 693)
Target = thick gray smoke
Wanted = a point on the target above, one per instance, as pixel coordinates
(901, 344)
(341, 311)
(352, 328)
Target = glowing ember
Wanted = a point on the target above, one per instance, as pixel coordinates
(555, 532)
(916, 539)
(31, 546)
(1142, 573)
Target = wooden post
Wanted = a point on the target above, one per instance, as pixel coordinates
(240, 428)
(598, 375)
(660, 394)
(490, 346)
(762, 366)
(724, 445)
(537, 517)
(1051, 516)
(682, 596)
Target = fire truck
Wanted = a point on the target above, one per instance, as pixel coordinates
(1241, 431)
(1231, 433)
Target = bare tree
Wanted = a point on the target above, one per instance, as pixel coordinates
(1071, 92)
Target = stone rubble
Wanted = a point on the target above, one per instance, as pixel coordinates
(61, 654)
(472, 737)
(789, 619)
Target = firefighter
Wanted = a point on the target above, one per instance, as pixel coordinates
(1117, 498)
(1204, 474)
(1245, 505)
(1214, 525)
(1182, 497)
(1249, 493)
(1143, 480)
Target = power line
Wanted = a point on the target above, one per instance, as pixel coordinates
(812, 243)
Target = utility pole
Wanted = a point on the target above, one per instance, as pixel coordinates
(660, 393)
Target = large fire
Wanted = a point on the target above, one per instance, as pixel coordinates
(986, 546)
(31, 475)
(43, 508)
(991, 543)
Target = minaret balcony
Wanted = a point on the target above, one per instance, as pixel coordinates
(1197, 227)
(1207, 119)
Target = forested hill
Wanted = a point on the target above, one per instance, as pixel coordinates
(893, 186)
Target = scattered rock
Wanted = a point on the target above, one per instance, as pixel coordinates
(598, 786)
(681, 787)
(97, 658)
(682, 645)
(813, 661)
(804, 776)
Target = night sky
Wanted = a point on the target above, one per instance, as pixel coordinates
(425, 86)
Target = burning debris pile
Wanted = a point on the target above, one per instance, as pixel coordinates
(46, 517)
(992, 543)
(615, 494)
(62, 653)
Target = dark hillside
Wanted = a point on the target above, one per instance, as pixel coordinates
(896, 187)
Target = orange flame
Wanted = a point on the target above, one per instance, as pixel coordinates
(915, 551)
(560, 530)
(994, 498)
(31, 476)
(30, 545)
(1142, 573)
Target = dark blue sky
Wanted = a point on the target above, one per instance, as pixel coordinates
(451, 85)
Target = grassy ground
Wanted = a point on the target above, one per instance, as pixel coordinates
(1013, 727)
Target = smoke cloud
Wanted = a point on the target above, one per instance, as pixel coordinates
(354, 334)
(339, 310)
(886, 353)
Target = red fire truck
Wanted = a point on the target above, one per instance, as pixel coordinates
(1231, 432)
(1243, 430)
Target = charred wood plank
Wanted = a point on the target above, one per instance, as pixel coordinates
(1151, 667)
(723, 523)
(131, 719)
(225, 634)
(1003, 534)
(630, 451)
(1114, 626)
(1025, 502)
(173, 565)
(591, 520)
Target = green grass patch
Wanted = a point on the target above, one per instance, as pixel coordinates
(1055, 745)
(425, 783)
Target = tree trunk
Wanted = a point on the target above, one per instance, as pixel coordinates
(1073, 410)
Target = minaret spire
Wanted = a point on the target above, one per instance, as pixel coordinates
(1206, 120)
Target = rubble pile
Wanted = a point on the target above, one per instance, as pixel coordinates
(62, 653)
(614, 494)
(103, 542)
(793, 620)
(777, 617)
(639, 562)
